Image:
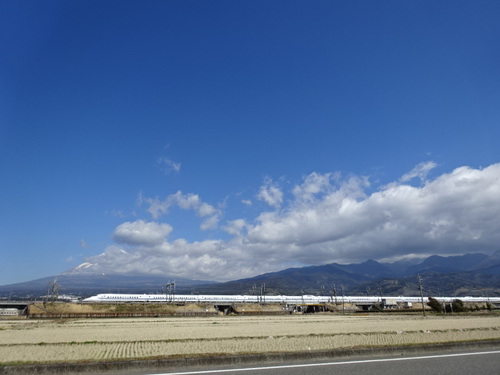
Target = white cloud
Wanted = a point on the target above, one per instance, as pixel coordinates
(328, 219)
(168, 165)
(271, 194)
(141, 233)
(210, 223)
(235, 227)
(447, 214)
(186, 201)
(313, 184)
(159, 207)
(204, 209)
(421, 171)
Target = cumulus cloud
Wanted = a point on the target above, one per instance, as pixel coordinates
(328, 218)
(141, 233)
(313, 184)
(271, 194)
(159, 207)
(235, 227)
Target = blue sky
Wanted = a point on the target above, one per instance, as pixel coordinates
(223, 139)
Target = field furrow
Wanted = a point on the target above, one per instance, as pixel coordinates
(118, 339)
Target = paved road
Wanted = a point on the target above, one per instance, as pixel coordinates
(479, 362)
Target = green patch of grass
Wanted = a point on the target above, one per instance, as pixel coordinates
(15, 363)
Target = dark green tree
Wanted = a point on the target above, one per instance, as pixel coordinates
(458, 305)
(435, 305)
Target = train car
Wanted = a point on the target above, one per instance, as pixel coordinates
(282, 299)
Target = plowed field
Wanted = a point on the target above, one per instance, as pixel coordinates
(23, 341)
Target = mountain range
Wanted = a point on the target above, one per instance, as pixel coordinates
(470, 274)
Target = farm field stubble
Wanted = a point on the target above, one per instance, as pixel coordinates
(23, 341)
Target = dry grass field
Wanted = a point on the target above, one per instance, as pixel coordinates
(78, 308)
(31, 341)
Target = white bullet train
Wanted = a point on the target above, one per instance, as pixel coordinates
(304, 299)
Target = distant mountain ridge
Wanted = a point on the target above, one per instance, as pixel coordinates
(84, 284)
(436, 263)
(478, 271)
(469, 274)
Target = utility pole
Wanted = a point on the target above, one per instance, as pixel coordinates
(166, 290)
(170, 291)
(53, 290)
(334, 290)
(419, 278)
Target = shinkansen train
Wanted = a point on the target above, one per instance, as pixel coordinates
(304, 299)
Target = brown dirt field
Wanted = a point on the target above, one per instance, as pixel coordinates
(73, 340)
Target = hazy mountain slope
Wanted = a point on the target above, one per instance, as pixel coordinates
(449, 264)
(88, 284)
(470, 274)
